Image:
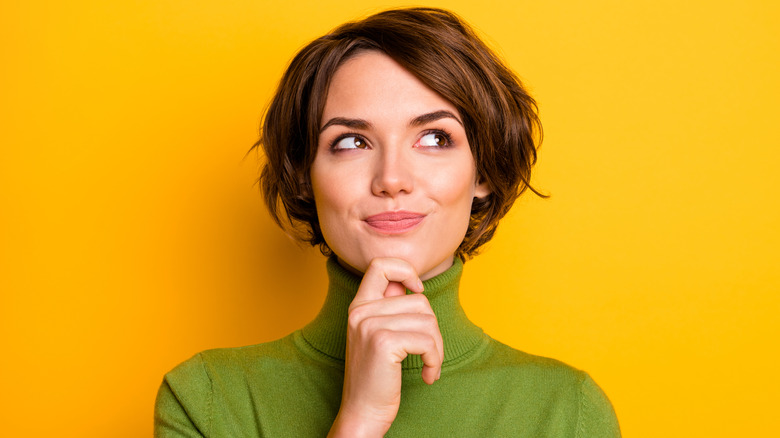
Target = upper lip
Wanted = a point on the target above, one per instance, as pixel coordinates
(393, 216)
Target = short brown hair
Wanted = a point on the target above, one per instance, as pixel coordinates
(443, 52)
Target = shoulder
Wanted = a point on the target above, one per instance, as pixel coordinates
(596, 414)
(192, 394)
(551, 373)
(216, 364)
(188, 393)
(184, 404)
(557, 387)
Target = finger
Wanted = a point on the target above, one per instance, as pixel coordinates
(414, 303)
(432, 361)
(396, 334)
(394, 307)
(403, 323)
(395, 289)
(382, 271)
(424, 345)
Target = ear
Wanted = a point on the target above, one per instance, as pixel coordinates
(305, 185)
(482, 188)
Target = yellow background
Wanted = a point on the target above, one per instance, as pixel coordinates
(132, 237)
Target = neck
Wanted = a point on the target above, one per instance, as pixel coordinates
(328, 331)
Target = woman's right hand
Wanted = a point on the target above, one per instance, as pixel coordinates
(385, 325)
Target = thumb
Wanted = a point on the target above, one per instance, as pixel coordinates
(387, 277)
(395, 289)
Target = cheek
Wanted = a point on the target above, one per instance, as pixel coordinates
(455, 186)
(333, 201)
(323, 196)
(326, 200)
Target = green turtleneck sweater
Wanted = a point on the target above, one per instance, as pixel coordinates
(292, 387)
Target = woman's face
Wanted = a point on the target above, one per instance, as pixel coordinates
(393, 175)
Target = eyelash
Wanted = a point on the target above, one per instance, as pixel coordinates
(332, 145)
(447, 136)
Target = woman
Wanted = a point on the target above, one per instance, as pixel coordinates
(396, 144)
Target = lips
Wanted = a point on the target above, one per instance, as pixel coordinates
(394, 222)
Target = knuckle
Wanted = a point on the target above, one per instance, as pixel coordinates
(420, 302)
(356, 317)
(431, 321)
(361, 328)
(365, 328)
(383, 339)
(376, 264)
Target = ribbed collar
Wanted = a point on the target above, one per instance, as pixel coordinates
(328, 331)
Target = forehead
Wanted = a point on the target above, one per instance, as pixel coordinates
(372, 85)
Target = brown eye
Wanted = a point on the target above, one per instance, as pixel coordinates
(350, 143)
(434, 139)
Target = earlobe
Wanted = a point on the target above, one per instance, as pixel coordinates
(482, 189)
(305, 184)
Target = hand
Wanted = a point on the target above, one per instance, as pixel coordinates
(385, 325)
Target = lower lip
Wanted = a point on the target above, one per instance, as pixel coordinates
(395, 226)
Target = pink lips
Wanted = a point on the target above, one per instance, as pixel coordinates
(394, 222)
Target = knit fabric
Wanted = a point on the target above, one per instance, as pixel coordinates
(292, 387)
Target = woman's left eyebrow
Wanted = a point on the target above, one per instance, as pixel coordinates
(434, 116)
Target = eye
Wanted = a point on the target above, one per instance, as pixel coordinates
(434, 140)
(350, 142)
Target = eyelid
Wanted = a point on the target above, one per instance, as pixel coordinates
(442, 132)
(342, 136)
(446, 134)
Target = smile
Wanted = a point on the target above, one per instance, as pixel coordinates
(394, 222)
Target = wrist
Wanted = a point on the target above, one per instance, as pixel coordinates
(357, 426)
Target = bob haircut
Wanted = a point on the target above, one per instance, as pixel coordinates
(500, 118)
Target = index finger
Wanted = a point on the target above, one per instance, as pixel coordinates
(382, 271)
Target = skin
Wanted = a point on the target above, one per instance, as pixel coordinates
(390, 144)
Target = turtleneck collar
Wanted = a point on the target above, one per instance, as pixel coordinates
(328, 331)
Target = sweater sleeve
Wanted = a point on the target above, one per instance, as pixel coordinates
(183, 406)
(596, 417)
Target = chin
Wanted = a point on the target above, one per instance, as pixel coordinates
(437, 268)
(426, 265)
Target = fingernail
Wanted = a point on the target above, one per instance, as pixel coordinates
(420, 285)
(439, 376)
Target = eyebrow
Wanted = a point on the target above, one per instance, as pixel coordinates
(349, 123)
(417, 121)
(434, 116)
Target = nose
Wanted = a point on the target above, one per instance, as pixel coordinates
(393, 174)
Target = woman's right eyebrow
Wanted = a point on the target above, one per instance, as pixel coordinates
(349, 123)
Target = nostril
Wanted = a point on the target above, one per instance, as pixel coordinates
(391, 185)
